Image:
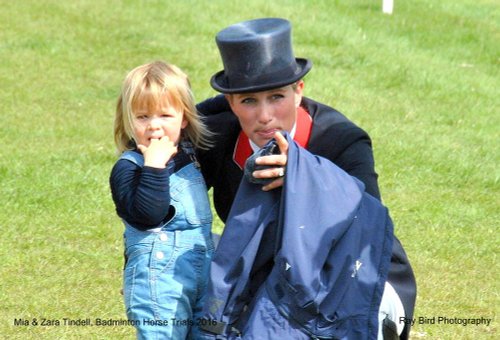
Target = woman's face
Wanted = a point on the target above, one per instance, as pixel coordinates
(261, 114)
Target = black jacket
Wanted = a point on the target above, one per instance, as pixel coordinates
(333, 136)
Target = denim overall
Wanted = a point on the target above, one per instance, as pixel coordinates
(167, 267)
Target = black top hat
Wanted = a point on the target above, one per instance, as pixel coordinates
(257, 55)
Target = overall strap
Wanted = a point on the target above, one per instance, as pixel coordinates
(133, 157)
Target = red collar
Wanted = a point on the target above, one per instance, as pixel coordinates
(243, 150)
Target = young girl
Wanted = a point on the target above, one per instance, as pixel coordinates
(161, 196)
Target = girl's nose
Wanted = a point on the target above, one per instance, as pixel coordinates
(154, 123)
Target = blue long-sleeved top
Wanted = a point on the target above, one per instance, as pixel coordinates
(142, 195)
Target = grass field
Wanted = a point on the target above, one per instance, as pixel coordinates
(424, 82)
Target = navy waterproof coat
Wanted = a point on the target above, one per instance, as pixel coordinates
(307, 261)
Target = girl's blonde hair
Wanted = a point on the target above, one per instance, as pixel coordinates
(145, 86)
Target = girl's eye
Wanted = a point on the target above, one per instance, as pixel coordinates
(276, 96)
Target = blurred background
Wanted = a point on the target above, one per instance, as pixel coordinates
(422, 81)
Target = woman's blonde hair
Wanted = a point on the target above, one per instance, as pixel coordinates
(145, 86)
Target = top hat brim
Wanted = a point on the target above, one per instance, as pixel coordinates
(219, 80)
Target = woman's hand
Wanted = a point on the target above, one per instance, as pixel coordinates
(159, 152)
(277, 163)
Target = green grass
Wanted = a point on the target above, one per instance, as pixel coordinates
(423, 82)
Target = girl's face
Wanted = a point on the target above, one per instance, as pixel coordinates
(261, 114)
(154, 123)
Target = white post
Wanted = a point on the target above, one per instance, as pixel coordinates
(387, 6)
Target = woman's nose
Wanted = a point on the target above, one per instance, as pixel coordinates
(265, 114)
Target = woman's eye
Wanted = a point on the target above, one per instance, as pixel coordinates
(277, 96)
(248, 101)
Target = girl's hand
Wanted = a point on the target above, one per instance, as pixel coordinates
(278, 161)
(158, 153)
